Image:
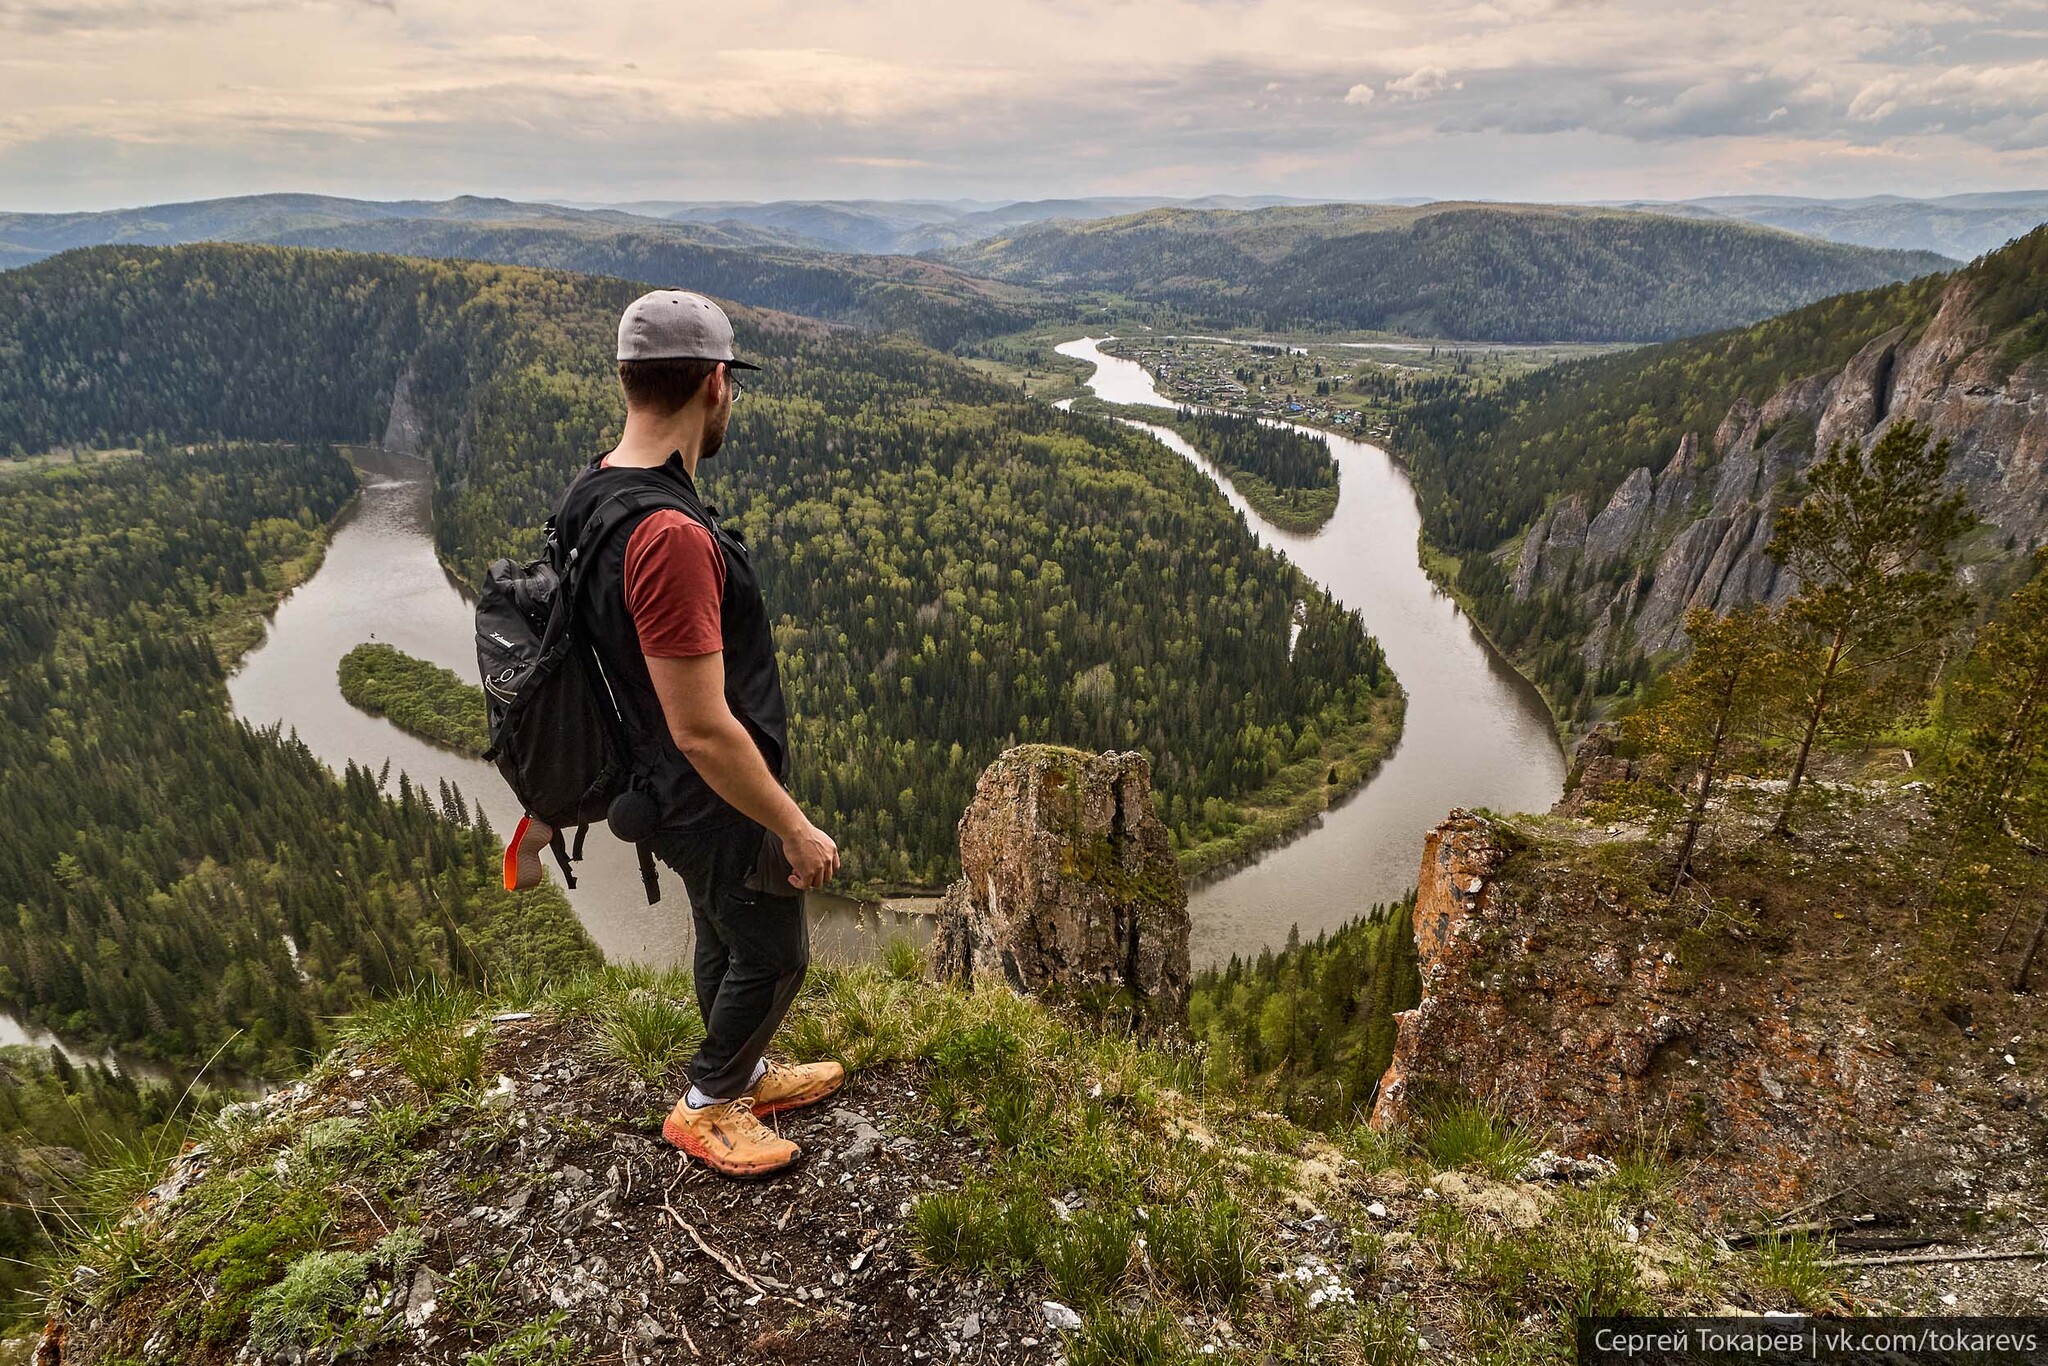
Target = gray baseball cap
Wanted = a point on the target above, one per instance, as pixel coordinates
(674, 324)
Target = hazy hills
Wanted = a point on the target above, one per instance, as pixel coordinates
(266, 217)
(750, 264)
(1963, 226)
(953, 271)
(1960, 226)
(924, 225)
(1510, 273)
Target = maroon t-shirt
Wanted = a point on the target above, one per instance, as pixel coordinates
(675, 580)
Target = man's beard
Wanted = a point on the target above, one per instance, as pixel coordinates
(714, 437)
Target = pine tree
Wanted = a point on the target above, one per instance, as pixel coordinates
(1992, 803)
(1869, 545)
(1708, 713)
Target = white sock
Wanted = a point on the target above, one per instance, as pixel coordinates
(697, 1100)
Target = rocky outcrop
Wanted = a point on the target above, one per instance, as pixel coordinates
(1624, 517)
(1676, 582)
(1551, 547)
(1459, 861)
(403, 429)
(1069, 888)
(1861, 396)
(1737, 427)
(1695, 532)
(1559, 991)
(1677, 480)
(1598, 768)
(1955, 381)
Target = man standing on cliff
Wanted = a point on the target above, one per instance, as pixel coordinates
(673, 613)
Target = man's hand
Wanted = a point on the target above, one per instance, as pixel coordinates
(692, 693)
(813, 857)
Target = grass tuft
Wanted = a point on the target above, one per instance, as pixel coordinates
(1088, 1258)
(902, 959)
(648, 1033)
(1794, 1264)
(432, 1032)
(1207, 1249)
(1474, 1136)
(1117, 1337)
(538, 1342)
(300, 1312)
(947, 1228)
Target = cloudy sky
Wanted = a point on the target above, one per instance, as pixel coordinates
(118, 102)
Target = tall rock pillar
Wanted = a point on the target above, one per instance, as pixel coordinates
(1069, 888)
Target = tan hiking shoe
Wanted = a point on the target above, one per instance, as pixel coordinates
(792, 1086)
(727, 1138)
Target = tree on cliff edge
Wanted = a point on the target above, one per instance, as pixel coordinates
(1992, 802)
(1869, 544)
(1708, 714)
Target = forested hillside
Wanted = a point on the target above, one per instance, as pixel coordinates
(1288, 477)
(1314, 1023)
(182, 884)
(1588, 506)
(1514, 273)
(1485, 464)
(936, 303)
(951, 571)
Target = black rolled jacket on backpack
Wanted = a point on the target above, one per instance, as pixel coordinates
(752, 941)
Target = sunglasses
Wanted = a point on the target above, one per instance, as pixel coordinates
(733, 385)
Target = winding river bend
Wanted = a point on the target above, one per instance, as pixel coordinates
(1476, 733)
(381, 581)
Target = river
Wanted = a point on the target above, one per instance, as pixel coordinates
(1477, 732)
(381, 581)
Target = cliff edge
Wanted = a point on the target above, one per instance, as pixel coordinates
(1758, 1031)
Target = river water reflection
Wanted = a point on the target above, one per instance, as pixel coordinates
(1477, 733)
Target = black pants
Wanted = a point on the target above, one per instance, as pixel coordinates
(752, 949)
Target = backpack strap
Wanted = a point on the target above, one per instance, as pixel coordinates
(648, 878)
(561, 853)
(626, 505)
(621, 508)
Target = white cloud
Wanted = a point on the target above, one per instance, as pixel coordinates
(123, 101)
(1422, 83)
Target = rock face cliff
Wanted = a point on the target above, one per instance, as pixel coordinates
(1771, 1052)
(1068, 885)
(1692, 534)
(1459, 861)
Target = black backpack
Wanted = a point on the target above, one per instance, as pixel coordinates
(556, 733)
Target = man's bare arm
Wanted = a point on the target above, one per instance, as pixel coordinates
(692, 693)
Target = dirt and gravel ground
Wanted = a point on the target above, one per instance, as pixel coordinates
(567, 1200)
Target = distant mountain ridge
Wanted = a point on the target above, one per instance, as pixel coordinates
(1476, 272)
(1467, 271)
(1963, 226)
(263, 217)
(747, 264)
(913, 226)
